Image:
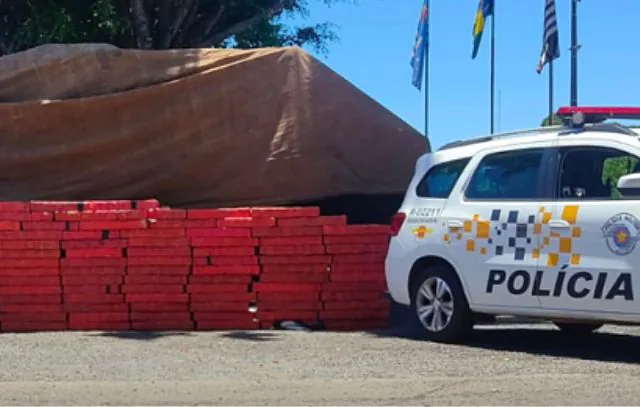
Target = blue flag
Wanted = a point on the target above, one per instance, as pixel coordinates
(420, 46)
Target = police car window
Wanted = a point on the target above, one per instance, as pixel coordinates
(593, 172)
(507, 175)
(440, 179)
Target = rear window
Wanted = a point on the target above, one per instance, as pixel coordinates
(439, 181)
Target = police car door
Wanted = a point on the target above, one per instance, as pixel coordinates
(493, 229)
(591, 251)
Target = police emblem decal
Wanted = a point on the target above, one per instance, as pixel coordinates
(621, 233)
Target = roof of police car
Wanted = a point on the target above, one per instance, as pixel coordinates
(469, 147)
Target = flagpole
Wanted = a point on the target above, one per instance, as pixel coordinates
(550, 92)
(493, 63)
(574, 52)
(426, 74)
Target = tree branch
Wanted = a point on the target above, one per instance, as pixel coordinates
(4, 48)
(171, 19)
(140, 22)
(165, 7)
(208, 27)
(189, 20)
(7, 45)
(217, 37)
(207, 16)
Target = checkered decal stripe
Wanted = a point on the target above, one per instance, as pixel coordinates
(514, 233)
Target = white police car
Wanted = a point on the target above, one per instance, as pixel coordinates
(542, 223)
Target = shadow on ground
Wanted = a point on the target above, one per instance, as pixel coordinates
(254, 336)
(140, 335)
(535, 339)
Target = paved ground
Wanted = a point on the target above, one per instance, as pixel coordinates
(503, 365)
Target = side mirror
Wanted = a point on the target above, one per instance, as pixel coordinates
(629, 185)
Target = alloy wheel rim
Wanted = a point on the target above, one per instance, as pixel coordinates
(434, 304)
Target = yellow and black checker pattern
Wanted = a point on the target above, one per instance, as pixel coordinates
(515, 233)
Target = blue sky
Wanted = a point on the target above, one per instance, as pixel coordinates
(376, 39)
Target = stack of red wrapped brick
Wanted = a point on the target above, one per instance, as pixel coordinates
(121, 265)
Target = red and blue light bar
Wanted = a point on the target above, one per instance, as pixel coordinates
(597, 114)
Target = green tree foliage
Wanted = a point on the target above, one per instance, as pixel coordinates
(614, 168)
(554, 120)
(160, 24)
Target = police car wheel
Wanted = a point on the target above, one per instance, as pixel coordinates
(440, 306)
(577, 328)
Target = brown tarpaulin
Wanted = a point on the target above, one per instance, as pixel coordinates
(193, 128)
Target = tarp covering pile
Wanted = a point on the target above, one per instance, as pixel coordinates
(193, 128)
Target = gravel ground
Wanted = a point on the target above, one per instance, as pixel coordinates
(512, 364)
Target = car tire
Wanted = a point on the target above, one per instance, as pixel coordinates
(577, 328)
(448, 300)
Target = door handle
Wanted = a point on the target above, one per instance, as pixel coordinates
(559, 224)
(455, 224)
